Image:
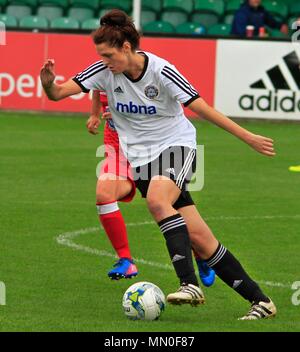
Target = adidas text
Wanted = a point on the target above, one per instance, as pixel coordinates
(270, 102)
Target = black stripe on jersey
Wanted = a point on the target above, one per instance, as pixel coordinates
(187, 103)
(180, 78)
(91, 67)
(85, 90)
(83, 77)
(177, 83)
(93, 73)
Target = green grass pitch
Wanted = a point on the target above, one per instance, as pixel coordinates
(47, 188)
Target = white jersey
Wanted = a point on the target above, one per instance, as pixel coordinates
(147, 111)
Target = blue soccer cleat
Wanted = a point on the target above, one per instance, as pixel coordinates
(124, 268)
(207, 275)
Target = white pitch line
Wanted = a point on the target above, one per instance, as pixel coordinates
(66, 239)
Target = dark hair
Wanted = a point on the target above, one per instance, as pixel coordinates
(116, 28)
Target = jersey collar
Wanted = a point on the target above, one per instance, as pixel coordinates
(144, 69)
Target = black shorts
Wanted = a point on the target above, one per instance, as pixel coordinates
(178, 163)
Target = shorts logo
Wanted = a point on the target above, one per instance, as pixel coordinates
(151, 92)
(171, 171)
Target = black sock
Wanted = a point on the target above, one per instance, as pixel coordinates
(229, 269)
(179, 247)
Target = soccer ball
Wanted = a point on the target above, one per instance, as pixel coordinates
(143, 301)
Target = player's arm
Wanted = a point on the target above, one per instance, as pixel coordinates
(259, 143)
(94, 120)
(56, 91)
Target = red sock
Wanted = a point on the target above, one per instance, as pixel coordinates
(114, 225)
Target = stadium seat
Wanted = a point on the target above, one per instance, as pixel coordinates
(124, 5)
(275, 33)
(159, 27)
(18, 11)
(231, 6)
(153, 5)
(209, 6)
(91, 4)
(191, 28)
(34, 22)
(64, 23)
(276, 8)
(208, 12)
(60, 3)
(148, 16)
(219, 29)
(50, 12)
(176, 11)
(206, 19)
(9, 20)
(103, 12)
(31, 3)
(290, 2)
(174, 17)
(178, 5)
(91, 24)
(228, 19)
(295, 9)
(80, 14)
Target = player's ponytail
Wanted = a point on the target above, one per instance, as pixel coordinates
(115, 18)
(116, 28)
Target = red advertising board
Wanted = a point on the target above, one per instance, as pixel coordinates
(24, 53)
(20, 62)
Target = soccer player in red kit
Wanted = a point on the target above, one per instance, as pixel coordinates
(109, 213)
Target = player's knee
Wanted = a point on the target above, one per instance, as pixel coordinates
(104, 195)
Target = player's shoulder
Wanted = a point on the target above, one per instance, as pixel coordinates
(93, 69)
(157, 63)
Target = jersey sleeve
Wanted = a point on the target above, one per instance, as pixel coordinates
(178, 86)
(92, 78)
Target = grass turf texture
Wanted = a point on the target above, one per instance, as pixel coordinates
(47, 188)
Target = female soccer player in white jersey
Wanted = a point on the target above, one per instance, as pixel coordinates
(145, 94)
(115, 182)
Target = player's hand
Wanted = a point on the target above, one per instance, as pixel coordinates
(92, 124)
(47, 73)
(261, 144)
(106, 115)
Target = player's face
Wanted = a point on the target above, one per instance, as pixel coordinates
(116, 59)
(254, 3)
